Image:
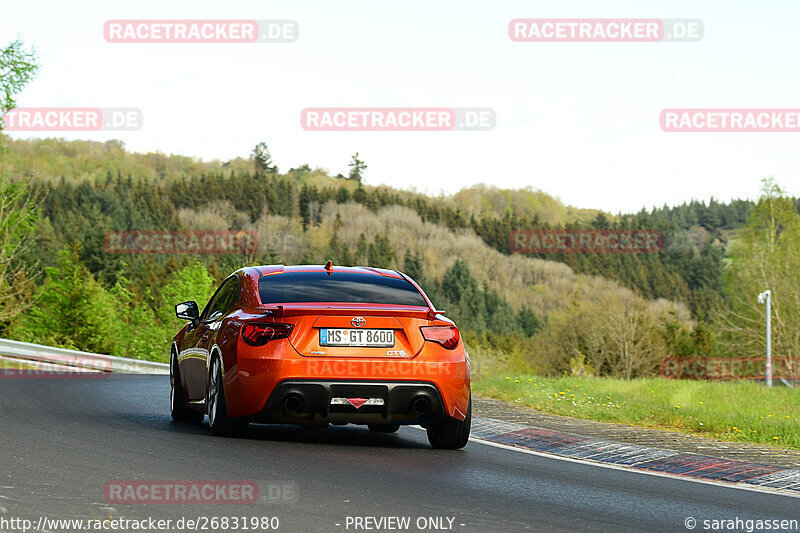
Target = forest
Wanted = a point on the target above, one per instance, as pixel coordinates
(555, 314)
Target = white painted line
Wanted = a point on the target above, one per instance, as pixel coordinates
(779, 477)
(740, 486)
(634, 470)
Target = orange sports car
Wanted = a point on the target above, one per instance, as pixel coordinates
(319, 345)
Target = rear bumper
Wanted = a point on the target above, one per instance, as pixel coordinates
(358, 402)
(255, 377)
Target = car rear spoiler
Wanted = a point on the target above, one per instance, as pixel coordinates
(322, 308)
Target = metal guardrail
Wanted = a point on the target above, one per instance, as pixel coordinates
(73, 358)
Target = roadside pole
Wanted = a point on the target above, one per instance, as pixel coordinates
(766, 298)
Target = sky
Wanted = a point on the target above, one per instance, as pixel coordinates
(578, 120)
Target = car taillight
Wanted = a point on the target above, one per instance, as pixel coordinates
(447, 336)
(256, 334)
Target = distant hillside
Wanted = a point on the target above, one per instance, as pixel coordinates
(482, 199)
(688, 270)
(555, 312)
(52, 159)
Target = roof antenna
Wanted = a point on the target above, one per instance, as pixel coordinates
(329, 267)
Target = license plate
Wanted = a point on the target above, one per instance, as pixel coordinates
(356, 337)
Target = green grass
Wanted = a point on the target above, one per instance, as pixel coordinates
(740, 411)
(16, 364)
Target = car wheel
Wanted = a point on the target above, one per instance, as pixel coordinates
(450, 433)
(218, 420)
(383, 428)
(177, 404)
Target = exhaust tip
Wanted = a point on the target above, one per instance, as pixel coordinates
(421, 405)
(292, 403)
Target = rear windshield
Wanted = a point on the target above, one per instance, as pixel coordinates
(297, 287)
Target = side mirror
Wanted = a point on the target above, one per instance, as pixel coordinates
(188, 311)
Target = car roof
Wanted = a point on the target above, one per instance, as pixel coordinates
(267, 270)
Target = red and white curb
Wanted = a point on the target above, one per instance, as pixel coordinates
(784, 480)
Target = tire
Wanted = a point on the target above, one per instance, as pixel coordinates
(177, 403)
(450, 433)
(218, 421)
(383, 428)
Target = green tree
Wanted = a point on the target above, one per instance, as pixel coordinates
(19, 217)
(381, 253)
(362, 250)
(458, 282)
(303, 203)
(192, 282)
(601, 221)
(270, 257)
(262, 159)
(309, 257)
(412, 264)
(357, 168)
(463, 298)
(134, 317)
(338, 252)
(18, 66)
(342, 195)
(765, 256)
(19, 203)
(71, 310)
(528, 322)
(146, 324)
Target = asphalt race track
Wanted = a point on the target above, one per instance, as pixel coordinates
(62, 440)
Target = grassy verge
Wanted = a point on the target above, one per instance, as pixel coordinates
(15, 364)
(745, 412)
